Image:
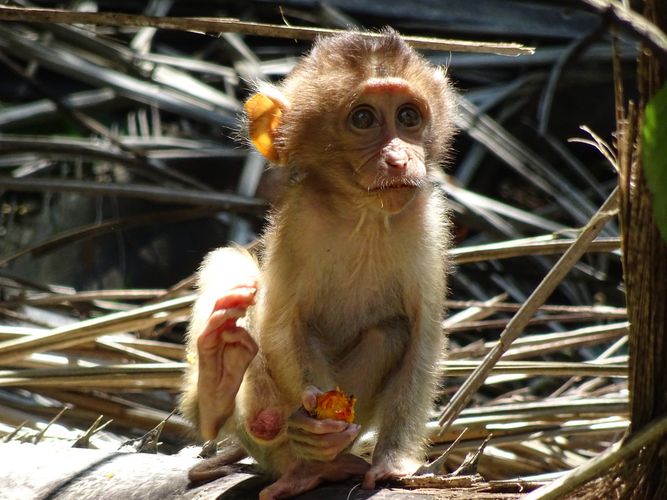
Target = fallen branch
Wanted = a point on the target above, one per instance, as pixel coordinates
(227, 25)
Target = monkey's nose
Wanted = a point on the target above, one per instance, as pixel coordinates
(397, 159)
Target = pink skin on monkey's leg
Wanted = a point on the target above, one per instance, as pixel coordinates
(224, 352)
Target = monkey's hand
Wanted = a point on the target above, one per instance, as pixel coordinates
(224, 351)
(385, 467)
(320, 440)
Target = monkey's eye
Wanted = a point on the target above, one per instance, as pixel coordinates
(363, 118)
(408, 116)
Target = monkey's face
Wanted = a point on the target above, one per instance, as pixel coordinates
(360, 120)
(382, 142)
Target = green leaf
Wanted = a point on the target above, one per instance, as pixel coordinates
(654, 138)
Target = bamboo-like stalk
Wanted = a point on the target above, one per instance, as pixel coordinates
(526, 246)
(539, 296)
(541, 320)
(89, 329)
(459, 368)
(592, 311)
(534, 345)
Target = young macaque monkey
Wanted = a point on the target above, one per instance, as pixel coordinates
(351, 284)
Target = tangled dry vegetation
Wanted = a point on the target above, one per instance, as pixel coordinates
(120, 170)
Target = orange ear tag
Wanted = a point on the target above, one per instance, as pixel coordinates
(264, 117)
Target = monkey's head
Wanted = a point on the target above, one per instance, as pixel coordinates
(365, 118)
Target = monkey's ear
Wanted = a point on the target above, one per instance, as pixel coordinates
(264, 114)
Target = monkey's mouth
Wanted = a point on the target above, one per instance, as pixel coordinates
(395, 184)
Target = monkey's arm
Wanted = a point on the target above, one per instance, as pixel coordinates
(219, 351)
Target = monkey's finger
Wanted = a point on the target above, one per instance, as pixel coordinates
(344, 466)
(340, 440)
(235, 362)
(374, 475)
(240, 337)
(221, 371)
(309, 397)
(219, 318)
(225, 319)
(212, 363)
(241, 297)
(369, 481)
(300, 419)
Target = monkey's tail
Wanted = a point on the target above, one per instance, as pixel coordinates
(226, 268)
(222, 270)
(219, 465)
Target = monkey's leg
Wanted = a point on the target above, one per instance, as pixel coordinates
(405, 402)
(224, 351)
(302, 477)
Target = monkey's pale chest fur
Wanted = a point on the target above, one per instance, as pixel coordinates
(356, 274)
(353, 281)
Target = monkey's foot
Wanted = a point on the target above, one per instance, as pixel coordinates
(302, 477)
(216, 466)
(388, 469)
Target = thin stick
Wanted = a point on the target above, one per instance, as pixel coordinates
(593, 311)
(473, 313)
(227, 25)
(523, 316)
(226, 201)
(48, 299)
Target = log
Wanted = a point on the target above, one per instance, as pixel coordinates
(51, 472)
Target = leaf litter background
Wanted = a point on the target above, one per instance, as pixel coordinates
(120, 168)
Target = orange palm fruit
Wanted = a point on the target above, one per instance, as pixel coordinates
(335, 405)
